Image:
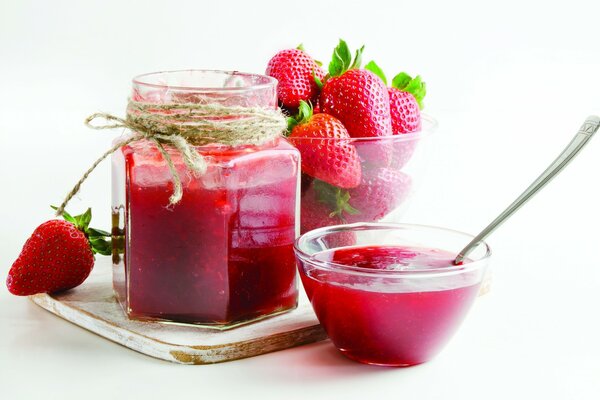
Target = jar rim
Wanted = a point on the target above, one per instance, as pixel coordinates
(151, 80)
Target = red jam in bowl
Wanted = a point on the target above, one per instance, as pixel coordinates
(389, 305)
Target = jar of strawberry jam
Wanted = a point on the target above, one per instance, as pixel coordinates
(223, 254)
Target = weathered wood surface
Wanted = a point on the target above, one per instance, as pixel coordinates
(93, 306)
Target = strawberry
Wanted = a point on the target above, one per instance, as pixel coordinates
(357, 97)
(59, 255)
(380, 192)
(406, 117)
(406, 99)
(314, 211)
(402, 152)
(375, 153)
(325, 147)
(406, 96)
(296, 72)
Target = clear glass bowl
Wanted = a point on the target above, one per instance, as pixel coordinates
(398, 316)
(391, 169)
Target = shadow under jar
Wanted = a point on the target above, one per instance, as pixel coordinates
(223, 255)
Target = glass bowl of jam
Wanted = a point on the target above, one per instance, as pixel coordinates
(389, 294)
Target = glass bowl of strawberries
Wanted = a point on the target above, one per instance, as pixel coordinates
(362, 142)
(385, 173)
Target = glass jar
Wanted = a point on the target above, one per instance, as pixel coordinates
(223, 255)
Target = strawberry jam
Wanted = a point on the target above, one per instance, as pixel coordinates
(223, 254)
(395, 306)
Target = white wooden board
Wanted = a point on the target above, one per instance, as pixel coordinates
(93, 306)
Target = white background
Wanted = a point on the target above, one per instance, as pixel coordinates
(509, 81)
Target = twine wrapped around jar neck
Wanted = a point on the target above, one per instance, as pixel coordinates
(184, 126)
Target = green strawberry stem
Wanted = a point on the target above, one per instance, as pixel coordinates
(341, 60)
(336, 198)
(291, 123)
(96, 237)
(305, 113)
(414, 86)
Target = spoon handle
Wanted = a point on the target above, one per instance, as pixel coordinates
(587, 130)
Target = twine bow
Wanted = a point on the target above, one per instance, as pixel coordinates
(184, 126)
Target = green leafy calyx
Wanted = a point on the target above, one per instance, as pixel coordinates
(374, 68)
(336, 198)
(305, 113)
(415, 86)
(96, 237)
(291, 123)
(341, 60)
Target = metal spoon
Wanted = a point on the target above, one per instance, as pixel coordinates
(587, 130)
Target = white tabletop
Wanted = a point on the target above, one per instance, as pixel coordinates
(509, 89)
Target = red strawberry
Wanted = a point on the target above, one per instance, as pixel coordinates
(356, 97)
(296, 71)
(380, 192)
(360, 100)
(402, 151)
(376, 153)
(406, 117)
(314, 213)
(325, 148)
(406, 99)
(59, 255)
(406, 96)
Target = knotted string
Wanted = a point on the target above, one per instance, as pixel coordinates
(184, 126)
